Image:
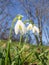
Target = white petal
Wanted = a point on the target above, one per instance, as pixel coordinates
(20, 27)
(29, 27)
(16, 29)
(35, 29)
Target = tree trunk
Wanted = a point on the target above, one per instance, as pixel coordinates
(40, 29)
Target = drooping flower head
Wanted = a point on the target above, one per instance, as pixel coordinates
(20, 27)
(35, 29)
(29, 27)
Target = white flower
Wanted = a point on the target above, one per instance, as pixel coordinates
(20, 27)
(29, 27)
(35, 29)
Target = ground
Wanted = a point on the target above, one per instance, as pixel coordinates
(25, 53)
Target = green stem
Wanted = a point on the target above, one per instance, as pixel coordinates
(12, 25)
(20, 40)
(8, 46)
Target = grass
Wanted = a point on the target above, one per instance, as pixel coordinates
(25, 54)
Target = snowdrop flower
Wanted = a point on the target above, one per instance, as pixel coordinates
(20, 27)
(29, 27)
(35, 29)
